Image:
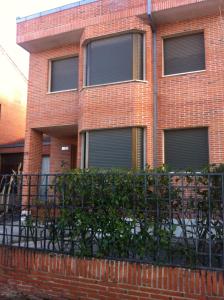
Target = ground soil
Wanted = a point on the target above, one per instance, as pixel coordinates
(9, 294)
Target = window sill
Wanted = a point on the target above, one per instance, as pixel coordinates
(113, 83)
(64, 91)
(185, 73)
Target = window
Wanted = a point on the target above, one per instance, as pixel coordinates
(184, 54)
(186, 148)
(114, 148)
(64, 74)
(115, 59)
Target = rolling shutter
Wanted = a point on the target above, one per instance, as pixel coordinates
(187, 148)
(113, 148)
(184, 54)
(115, 59)
(64, 74)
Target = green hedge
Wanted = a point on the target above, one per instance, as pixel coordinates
(153, 215)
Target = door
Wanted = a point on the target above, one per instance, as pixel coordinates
(44, 178)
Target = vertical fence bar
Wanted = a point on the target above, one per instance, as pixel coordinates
(196, 216)
(62, 206)
(29, 224)
(36, 209)
(134, 212)
(146, 206)
(54, 216)
(157, 218)
(170, 258)
(11, 208)
(209, 220)
(182, 216)
(45, 221)
(222, 220)
(4, 213)
(20, 206)
(91, 229)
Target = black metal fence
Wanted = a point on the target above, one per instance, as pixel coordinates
(164, 218)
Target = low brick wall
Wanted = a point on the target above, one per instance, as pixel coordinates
(50, 276)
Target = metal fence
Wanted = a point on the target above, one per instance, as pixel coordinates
(165, 218)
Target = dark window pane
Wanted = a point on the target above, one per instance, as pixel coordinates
(111, 60)
(184, 54)
(64, 74)
(110, 148)
(187, 148)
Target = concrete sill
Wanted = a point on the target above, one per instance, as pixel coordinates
(184, 73)
(113, 83)
(64, 91)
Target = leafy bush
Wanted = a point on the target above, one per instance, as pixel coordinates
(153, 215)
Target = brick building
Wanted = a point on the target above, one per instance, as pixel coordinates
(13, 95)
(125, 83)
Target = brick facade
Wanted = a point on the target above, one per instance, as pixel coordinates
(13, 90)
(51, 276)
(194, 100)
(186, 100)
(13, 95)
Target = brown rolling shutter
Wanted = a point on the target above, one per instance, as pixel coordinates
(187, 148)
(184, 54)
(110, 148)
(115, 148)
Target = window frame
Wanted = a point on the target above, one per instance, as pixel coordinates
(50, 74)
(85, 59)
(176, 35)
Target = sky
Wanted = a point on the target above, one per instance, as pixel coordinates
(20, 8)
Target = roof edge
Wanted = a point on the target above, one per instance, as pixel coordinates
(54, 10)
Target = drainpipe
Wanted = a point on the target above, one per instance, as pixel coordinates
(155, 86)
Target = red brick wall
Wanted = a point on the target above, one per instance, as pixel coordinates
(12, 121)
(166, 4)
(52, 276)
(197, 99)
(79, 17)
(112, 105)
(44, 108)
(190, 100)
(13, 88)
(61, 160)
